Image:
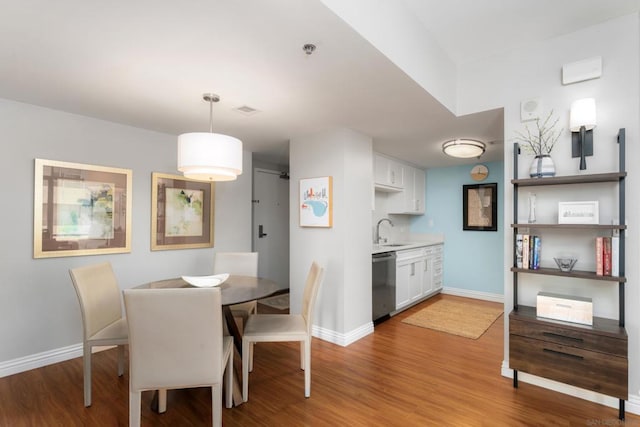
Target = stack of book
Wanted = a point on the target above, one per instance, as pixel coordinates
(528, 251)
(607, 256)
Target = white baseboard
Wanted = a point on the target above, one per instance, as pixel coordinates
(632, 404)
(473, 294)
(39, 360)
(342, 339)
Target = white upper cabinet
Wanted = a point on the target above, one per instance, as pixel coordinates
(411, 199)
(388, 174)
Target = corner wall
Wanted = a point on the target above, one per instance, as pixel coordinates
(343, 308)
(473, 260)
(41, 320)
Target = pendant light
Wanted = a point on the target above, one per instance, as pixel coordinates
(208, 156)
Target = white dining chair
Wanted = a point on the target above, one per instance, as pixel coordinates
(102, 321)
(176, 341)
(284, 328)
(243, 264)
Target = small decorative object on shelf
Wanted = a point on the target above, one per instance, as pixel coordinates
(532, 208)
(565, 264)
(540, 142)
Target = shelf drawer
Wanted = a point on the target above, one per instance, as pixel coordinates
(570, 337)
(599, 372)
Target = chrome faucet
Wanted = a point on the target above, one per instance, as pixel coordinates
(378, 238)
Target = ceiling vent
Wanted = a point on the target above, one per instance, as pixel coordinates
(246, 110)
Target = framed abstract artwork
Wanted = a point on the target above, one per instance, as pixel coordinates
(80, 209)
(182, 212)
(316, 202)
(480, 207)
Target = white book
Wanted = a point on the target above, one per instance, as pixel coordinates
(518, 250)
(615, 256)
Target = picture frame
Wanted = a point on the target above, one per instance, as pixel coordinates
(182, 212)
(80, 209)
(480, 207)
(316, 202)
(579, 212)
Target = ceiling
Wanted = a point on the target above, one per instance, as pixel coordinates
(147, 63)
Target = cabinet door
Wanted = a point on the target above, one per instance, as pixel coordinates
(427, 276)
(387, 172)
(402, 285)
(416, 273)
(418, 203)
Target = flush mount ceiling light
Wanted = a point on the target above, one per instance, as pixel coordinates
(208, 156)
(463, 148)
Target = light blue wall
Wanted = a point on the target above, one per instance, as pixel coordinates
(473, 260)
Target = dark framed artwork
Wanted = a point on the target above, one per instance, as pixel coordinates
(80, 209)
(480, 207)
(182, 212)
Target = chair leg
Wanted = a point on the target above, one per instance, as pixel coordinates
(229, 380)
(246, 356)
(162, 400)
(216, 405)
(134, 408)
(250, 356)
(86, 366)
(302, 357)
(120, 360)
(307, 370)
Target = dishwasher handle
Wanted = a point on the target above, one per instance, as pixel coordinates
(383, 257)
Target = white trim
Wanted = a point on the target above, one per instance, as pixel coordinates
(473, 294)
(38, 360)
(342, 339)
(632, 403)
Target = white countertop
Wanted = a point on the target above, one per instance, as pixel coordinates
(400, 246)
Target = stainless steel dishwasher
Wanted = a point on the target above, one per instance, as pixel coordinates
(383, 285)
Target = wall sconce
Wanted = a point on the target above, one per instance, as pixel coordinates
(581, 123)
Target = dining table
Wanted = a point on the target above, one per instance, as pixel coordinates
(235, 289)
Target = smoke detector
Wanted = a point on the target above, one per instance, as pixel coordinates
(309, 48)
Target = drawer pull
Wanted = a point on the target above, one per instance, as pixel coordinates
(559, 353)
(564, 337)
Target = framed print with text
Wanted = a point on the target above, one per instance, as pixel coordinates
(480, 207)
(316, 202)
(182, 212)
(80, 209)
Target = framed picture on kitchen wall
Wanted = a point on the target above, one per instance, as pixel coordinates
(80, 209)
(480, 207)
(182, 212)
(316, 202)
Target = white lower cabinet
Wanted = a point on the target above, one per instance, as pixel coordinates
(418, 274)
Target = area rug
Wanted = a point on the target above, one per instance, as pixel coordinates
(279, 302)
(456, 317)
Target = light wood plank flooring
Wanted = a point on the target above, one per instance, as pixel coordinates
(401, 375)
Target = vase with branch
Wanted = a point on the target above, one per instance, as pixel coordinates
(540, 142)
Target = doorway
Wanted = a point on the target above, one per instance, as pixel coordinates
(270, 237)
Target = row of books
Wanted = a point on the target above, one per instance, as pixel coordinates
(528, 251)
(607, 256)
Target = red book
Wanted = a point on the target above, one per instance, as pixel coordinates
(599, 253)
(606, 256)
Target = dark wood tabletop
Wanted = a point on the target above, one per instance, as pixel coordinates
(234, 290)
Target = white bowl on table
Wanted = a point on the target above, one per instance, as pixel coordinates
(206, 281)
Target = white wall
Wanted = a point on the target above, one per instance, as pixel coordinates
(396, 32)
(38, 306)
(343, 310)
(506, 80)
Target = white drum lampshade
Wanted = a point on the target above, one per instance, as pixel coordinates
(583, 113)
(208, 156)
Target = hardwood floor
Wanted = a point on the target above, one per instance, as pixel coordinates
(401, 375)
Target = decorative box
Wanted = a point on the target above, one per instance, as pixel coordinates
(563, 307)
